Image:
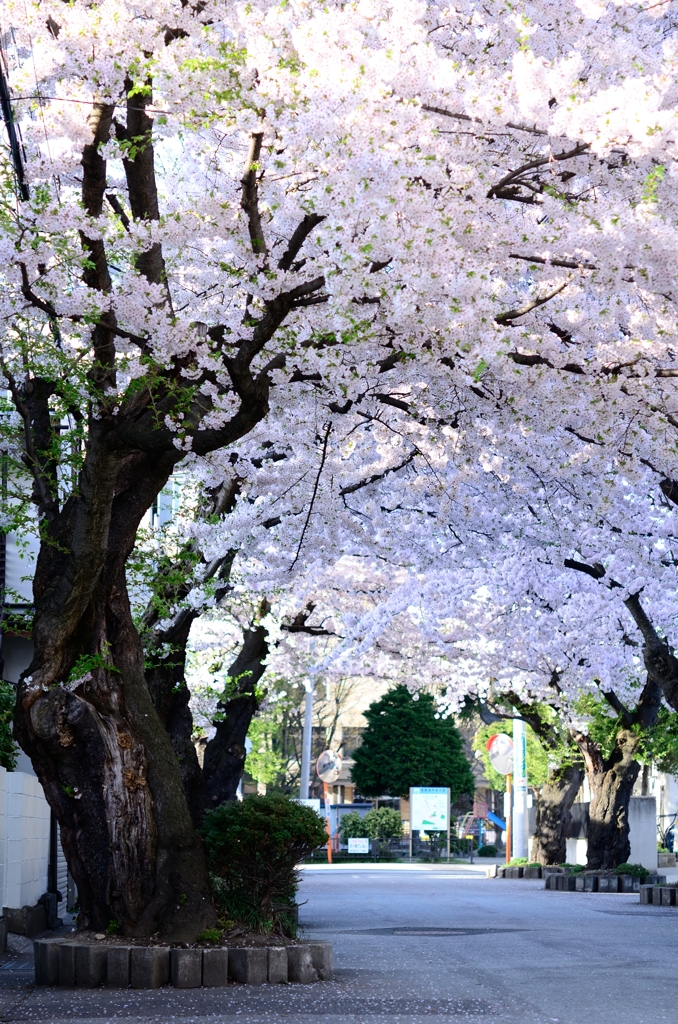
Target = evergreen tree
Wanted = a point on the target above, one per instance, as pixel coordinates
(407, 743)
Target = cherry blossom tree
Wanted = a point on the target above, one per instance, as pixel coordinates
(437, 235)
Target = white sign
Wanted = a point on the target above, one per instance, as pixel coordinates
(358, 846)
(429, 809)
(314, 804)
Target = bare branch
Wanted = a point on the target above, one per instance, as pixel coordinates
(315, 492)
(583, 437)
(597, 571)
(514, 314)
(390, 400)
(554, 261)
(504, 188)
(250, 195)
(532, 359)
(352, 488)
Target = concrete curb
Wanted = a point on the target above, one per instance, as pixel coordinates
(71, 964)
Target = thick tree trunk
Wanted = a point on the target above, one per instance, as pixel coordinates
(225, 753)
(611, 781)
(171, 697)
(96, 741)
(554, 814)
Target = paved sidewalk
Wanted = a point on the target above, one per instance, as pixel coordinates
(423, 947)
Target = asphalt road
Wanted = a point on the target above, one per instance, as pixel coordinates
(424, 946)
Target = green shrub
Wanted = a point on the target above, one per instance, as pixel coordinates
(384, 823)
(254, 847)
(351, 827)
(487, 851)
(518, 862)
(637, 870)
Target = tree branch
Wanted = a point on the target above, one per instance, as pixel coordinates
(315, 492)
(139, 164)
(514, 314)
(301, 233)
(554, 261)
(250, 196)
(352, 488)
(502, 187)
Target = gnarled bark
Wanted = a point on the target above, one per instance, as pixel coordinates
(171, 697)
(554, 814)
(611, 780)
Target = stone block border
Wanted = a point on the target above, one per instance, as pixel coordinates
(510, 871)
(590, 881)
(69, 963)
(659, 895)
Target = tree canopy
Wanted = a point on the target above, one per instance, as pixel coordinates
(407, 743)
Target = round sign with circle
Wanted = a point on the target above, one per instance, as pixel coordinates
(500, 749)
(328, 766)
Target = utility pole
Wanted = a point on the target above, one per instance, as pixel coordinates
(306, 743)
(520, 822)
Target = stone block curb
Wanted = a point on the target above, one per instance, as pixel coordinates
(149, 966)
(46, 954)
(646, 895)
(186, 968)
(248, 965)
(277, 965)
(90, 964)
(668, 896)
(67, 964)
(300, 969)
(593, 882)
(214, 968)
(118, 958)
(322, 959)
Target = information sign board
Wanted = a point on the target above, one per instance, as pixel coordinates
(358, 846)
(429, 809)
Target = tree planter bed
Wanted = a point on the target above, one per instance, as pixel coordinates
(71, 963)
(592, 881)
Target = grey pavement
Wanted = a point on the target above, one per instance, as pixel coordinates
(416, 945)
